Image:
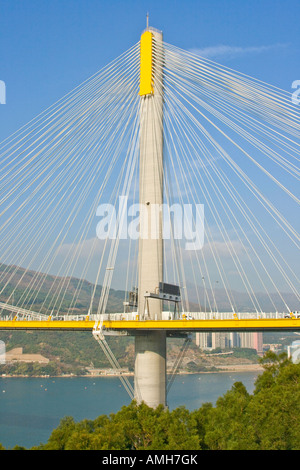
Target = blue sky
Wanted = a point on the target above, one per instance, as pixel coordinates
(49, 47)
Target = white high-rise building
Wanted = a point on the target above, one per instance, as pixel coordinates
(252, 340)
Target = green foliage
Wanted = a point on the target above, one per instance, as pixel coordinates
(266, 420)
(275, 408)
(73, 348)
(225, 428)
(34, 369)
(60, 435)
(132, 428)
(245, 353)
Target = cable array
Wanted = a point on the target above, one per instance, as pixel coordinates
(231, 144)
(54, 174)
(226, 133)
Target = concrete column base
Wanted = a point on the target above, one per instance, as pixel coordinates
(150, 368)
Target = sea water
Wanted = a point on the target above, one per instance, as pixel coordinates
(30, 408)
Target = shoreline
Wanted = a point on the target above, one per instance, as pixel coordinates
(223, 369)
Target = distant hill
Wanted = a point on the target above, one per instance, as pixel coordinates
(72, 295)
(75, 297)
(243, 302)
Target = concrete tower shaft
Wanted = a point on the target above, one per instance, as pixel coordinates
(150, 348)
(151, 174)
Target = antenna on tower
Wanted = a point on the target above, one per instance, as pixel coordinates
(147, 20)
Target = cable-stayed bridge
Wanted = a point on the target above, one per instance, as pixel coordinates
(166, 173)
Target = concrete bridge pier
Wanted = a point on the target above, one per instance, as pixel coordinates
(150, 347)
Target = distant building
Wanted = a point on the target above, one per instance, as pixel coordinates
(258, 342)
(220, 340)
(252, 340)
(16, 355)
(97, 372)
(203, 340)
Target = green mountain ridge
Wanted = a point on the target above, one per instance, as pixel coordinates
(70, 294)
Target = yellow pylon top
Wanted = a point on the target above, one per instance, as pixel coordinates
(146, 59)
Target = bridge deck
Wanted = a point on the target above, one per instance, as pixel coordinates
(132, 326)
